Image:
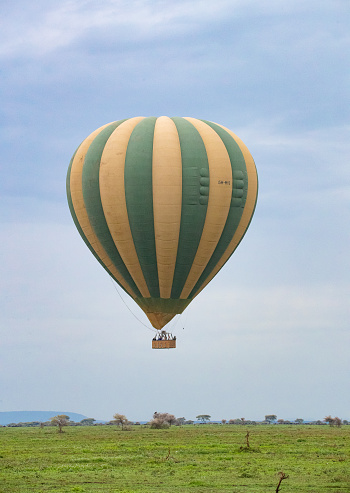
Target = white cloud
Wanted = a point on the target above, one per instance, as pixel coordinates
(59, 26)
(321, 152)
(47, 27)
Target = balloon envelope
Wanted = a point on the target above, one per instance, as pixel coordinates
(162, 203)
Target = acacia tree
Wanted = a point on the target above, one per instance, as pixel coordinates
(60, 420)
(203, 417)
(87, 421)
(120, 420)
(329, 420)
(270, 418)
(333, 421)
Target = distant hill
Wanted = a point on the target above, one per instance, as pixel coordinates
(28, 416)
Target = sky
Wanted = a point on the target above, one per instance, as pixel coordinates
(270, 334)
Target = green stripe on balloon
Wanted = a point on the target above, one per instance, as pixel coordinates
(239, 174)
(194, 164)
(93, 204)
(77, 225)
(139, 199)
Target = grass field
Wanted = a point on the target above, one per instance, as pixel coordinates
(201, 458)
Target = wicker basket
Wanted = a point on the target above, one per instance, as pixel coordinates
(164, 344)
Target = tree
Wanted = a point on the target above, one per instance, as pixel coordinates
(223, 421)
(120, 419)
(270, 418)
(203, 417)
(60, 420)
(333, 421)
(87, 421)
(170, 418)
(299, 421)
(162, 420)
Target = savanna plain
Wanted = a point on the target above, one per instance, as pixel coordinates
(191, 458)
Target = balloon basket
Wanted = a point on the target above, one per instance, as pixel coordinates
(164, 344)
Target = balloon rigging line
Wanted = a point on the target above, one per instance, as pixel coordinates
(175, 322)
(132, 313)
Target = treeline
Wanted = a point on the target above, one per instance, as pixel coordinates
(165, 420)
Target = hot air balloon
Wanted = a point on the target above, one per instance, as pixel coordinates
(162, 203)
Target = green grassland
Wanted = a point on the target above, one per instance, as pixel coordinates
(200, 458)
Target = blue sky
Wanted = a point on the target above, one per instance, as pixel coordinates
(270, 334)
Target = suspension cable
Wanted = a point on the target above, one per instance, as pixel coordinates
(132, 313)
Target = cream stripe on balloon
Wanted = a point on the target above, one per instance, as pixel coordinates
(76, 189)
(220, 192)
(247, 211)
(112, 190)
(167, 198)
